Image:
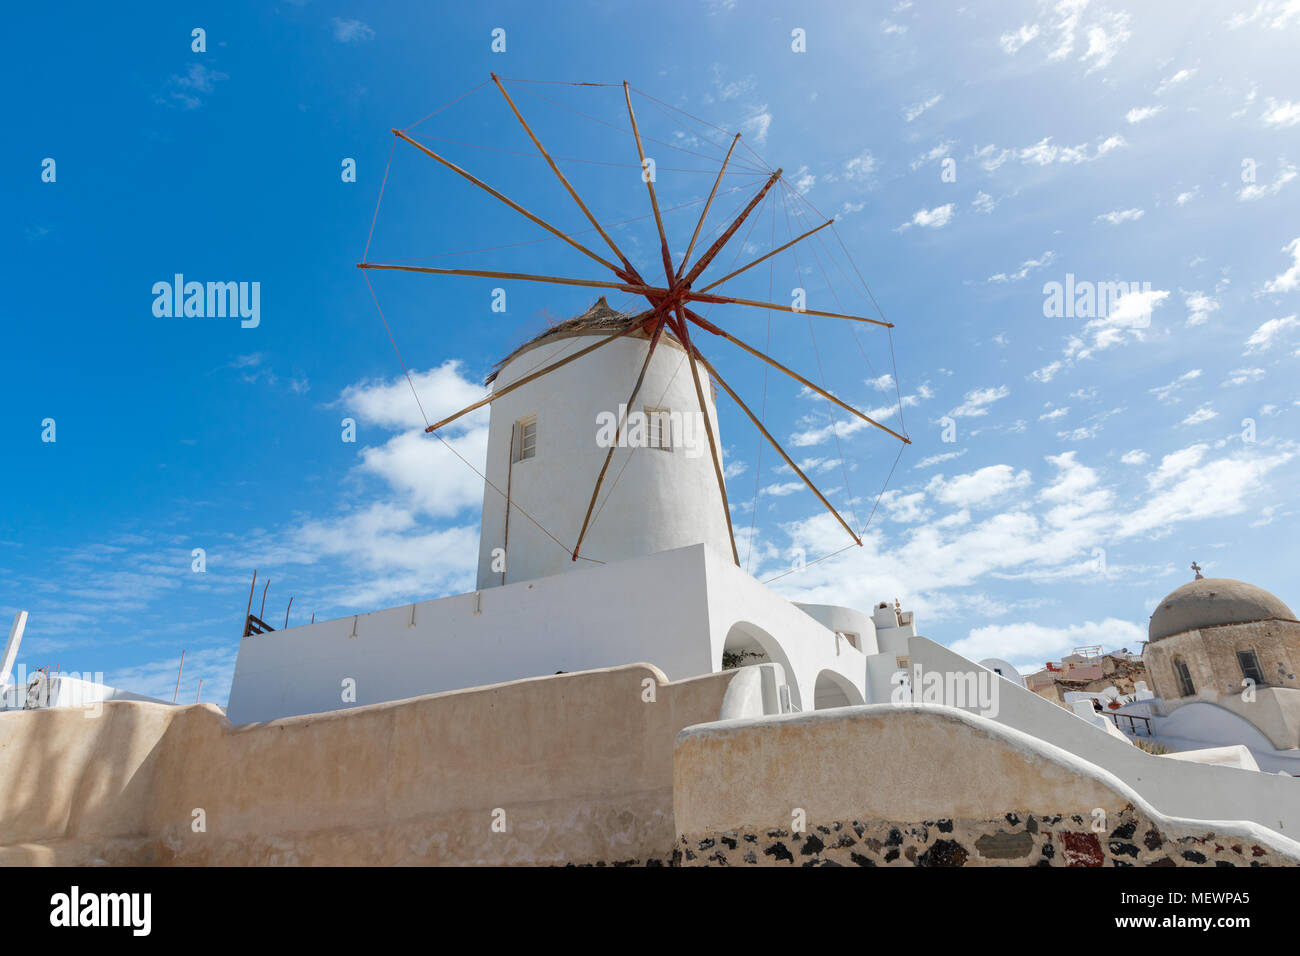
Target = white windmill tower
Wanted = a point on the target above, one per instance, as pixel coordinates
(548, 438)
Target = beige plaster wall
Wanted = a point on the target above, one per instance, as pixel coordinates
(580, 763)
(878, 767)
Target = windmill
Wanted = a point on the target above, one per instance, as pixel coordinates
(669, 302)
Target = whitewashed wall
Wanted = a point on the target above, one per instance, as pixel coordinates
(660, 501)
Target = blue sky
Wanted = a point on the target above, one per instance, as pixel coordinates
(1093, 456)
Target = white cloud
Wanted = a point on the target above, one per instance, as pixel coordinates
(977, 487)
(390, 405)
(1039, 536)
(1243, 376)
(1012, 42)
(916, 109)
(935, 218)
(939, 459)
(1134, 457)
(1027, 647)
(1199, 307)
(1118, 216)
(1252, 191)
(860, 166)
(1139, 113)
(757, 123)
(977, 401)
(781, 490)
(1105, 40)
(1167, 394)
(1281, 114)
(983, 202)
(1177, 79)
(1271, 14)
(1201, 415)
(351, 31)
(1289, 280)
(1070, 11)
(1047, 372)
(1266, 336)
(1026, 267)
(1185, 197)
(990, 157)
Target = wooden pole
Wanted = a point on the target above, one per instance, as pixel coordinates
(506, 390)
(509, 202)
(649, 182)
(200, 691)
(710, 327)
(248, 613)
(261, 614)
(510, 471)
(730, 300)
(775, 444)
(609, 455)
(286, 612)
(723, 239)
(179, 671)
(778, 249)
(703, 215)
(708, 430)
(629, 271)
(521, 276)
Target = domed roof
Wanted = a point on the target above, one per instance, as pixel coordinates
(1207, 602)
(599, 319)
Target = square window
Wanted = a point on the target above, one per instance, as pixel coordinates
(659, 428)
(526, 439)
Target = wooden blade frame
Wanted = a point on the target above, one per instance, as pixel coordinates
(668, 306)
(775, 444)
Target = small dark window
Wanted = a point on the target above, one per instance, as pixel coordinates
(1185, 686)
(1248, 661)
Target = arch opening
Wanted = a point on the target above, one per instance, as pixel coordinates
(834, 690)
(748, 644)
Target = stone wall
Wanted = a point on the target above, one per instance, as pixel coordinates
(1014, 839)
(927, 785)
(1211, 656)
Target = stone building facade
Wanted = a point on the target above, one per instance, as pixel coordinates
(1210, 635)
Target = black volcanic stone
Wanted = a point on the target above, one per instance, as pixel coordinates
(944, 853)
(779, 852)
(812, 845)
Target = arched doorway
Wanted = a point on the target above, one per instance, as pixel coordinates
(748, 644)
(834, 690)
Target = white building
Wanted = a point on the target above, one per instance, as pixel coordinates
(654, 580)
(662, 588)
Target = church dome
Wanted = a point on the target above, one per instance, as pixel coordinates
(1207, 602)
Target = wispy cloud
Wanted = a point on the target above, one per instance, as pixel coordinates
(351, 31)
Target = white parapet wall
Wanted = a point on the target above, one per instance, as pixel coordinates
(1176, 788)
(677, 609)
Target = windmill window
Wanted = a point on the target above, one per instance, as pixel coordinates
(1248, 661)
(659, 428)
(1185, 686)
(526, 439)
